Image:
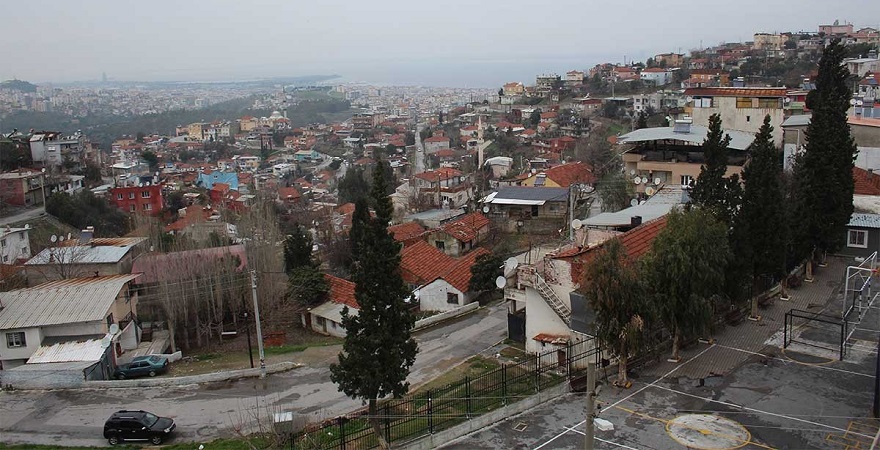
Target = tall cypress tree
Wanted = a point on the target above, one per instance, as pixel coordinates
(379, 349)
(760, 230)
(714, 192)
(823, 175)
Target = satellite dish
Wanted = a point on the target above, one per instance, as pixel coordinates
(689, 99)
(852, 101)
(787, 99)
(54, 239)
(642, 202)
(114, 328)
(486, 209)
(500, 282)
(637, 180)
(510, 265)
(859, 103)
(577, 224)
(634, 202)
(60, 239)
(27, 226)
(106, 341)
(657, 181)
(649, 191)
(632, 171)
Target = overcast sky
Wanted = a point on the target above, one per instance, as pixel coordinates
(469, 43)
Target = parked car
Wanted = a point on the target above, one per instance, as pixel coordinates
(137, 426)
(142, 366)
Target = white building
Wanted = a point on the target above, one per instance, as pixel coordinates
(658, 76)
(15, 244)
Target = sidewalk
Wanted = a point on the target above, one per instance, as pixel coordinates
(737, 343)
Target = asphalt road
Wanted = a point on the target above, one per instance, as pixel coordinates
(204, 412)
(20, 217)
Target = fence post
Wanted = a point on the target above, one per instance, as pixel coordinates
(430, 413)
(504, 384)
(341, 422)
(387, 423)
(843, 338)
(467, 396)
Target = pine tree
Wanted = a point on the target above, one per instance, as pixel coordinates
(614, 290)
(684, 269)
(823, 175)
(714, 192)
(305, 282)
(298, 249)
(379, 349)
(760, 230)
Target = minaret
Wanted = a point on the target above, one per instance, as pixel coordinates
(480, 142)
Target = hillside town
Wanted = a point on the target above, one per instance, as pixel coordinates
(502, 207)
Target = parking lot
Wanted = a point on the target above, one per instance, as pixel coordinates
(741, 391)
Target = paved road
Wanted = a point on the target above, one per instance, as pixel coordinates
(204, 412)
(20, 217)
(420, 150)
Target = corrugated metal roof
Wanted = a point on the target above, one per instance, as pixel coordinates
(80, 254)
(864, 221)
(530, 195)
(657, 206)
(739, 140)
(89, 350)
(63, 301)
(54, 367)
(800, 120)
(738, 91)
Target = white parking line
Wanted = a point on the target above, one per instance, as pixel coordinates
(609, 407)
(789, 360)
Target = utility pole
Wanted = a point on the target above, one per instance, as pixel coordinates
(591, 404)
(259, 329)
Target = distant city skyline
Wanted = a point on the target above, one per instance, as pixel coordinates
(457, 43)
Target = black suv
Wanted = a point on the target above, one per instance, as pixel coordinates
(137, 426)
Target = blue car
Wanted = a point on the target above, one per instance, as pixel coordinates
(142, 366)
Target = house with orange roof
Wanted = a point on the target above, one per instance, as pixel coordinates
(444, 185)
(461, 235)
(450, 289)
(407, 233)
(326, 318)
(562, 176)
(539, 295)
(434, 144)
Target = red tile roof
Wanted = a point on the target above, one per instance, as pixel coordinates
(636, 242)
(566, 174)
(551, 338)
(443, 173)
(437, 139)
(738, 92)
(422, 262)
(467, 227)
(345, 209)
(459, 275)
(341, 291)
(866, 183)
(288, 193)
(406, 231)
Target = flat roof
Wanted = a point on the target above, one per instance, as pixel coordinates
(657, 206)
(739, 140)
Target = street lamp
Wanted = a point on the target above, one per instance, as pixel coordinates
(43, 185)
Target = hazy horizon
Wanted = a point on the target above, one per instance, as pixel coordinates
(454, 44)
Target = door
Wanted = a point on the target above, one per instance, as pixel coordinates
(560, 358)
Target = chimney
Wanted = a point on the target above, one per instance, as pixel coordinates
(870, 173)
(635, 221)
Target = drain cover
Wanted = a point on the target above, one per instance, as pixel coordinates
(520, 427)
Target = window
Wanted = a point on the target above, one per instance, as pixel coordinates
(743, 102)
(451, 298)
(16, 339)
(131, 195)
(440, 245)
(24, 251)
(119, 196)
(540, 179)
(131, 208)
(5, 258)
(145, 194)
(109, 319)
(857, 238)
(772, 103)
(535, 211)
(748, 118)
(686, 180)
(3, 243)
(148, 207)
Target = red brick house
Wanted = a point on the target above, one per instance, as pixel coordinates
(140, 199)
(22, 187)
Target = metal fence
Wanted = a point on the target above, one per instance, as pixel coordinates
(427, 412)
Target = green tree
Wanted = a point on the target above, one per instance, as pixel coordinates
(379, 349)
(642, 121)
(684, 269)
(759, 234)
(298, 249)
(614, 291)
(140, 137)
(823, 176)
(485, 270)
(352, 186)
(615, 191)
(151, 159)
(535, 118)
(714, 192)
(83, 209)
(92, 174)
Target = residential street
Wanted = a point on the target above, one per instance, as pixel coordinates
(76, 417)
(26, 215)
